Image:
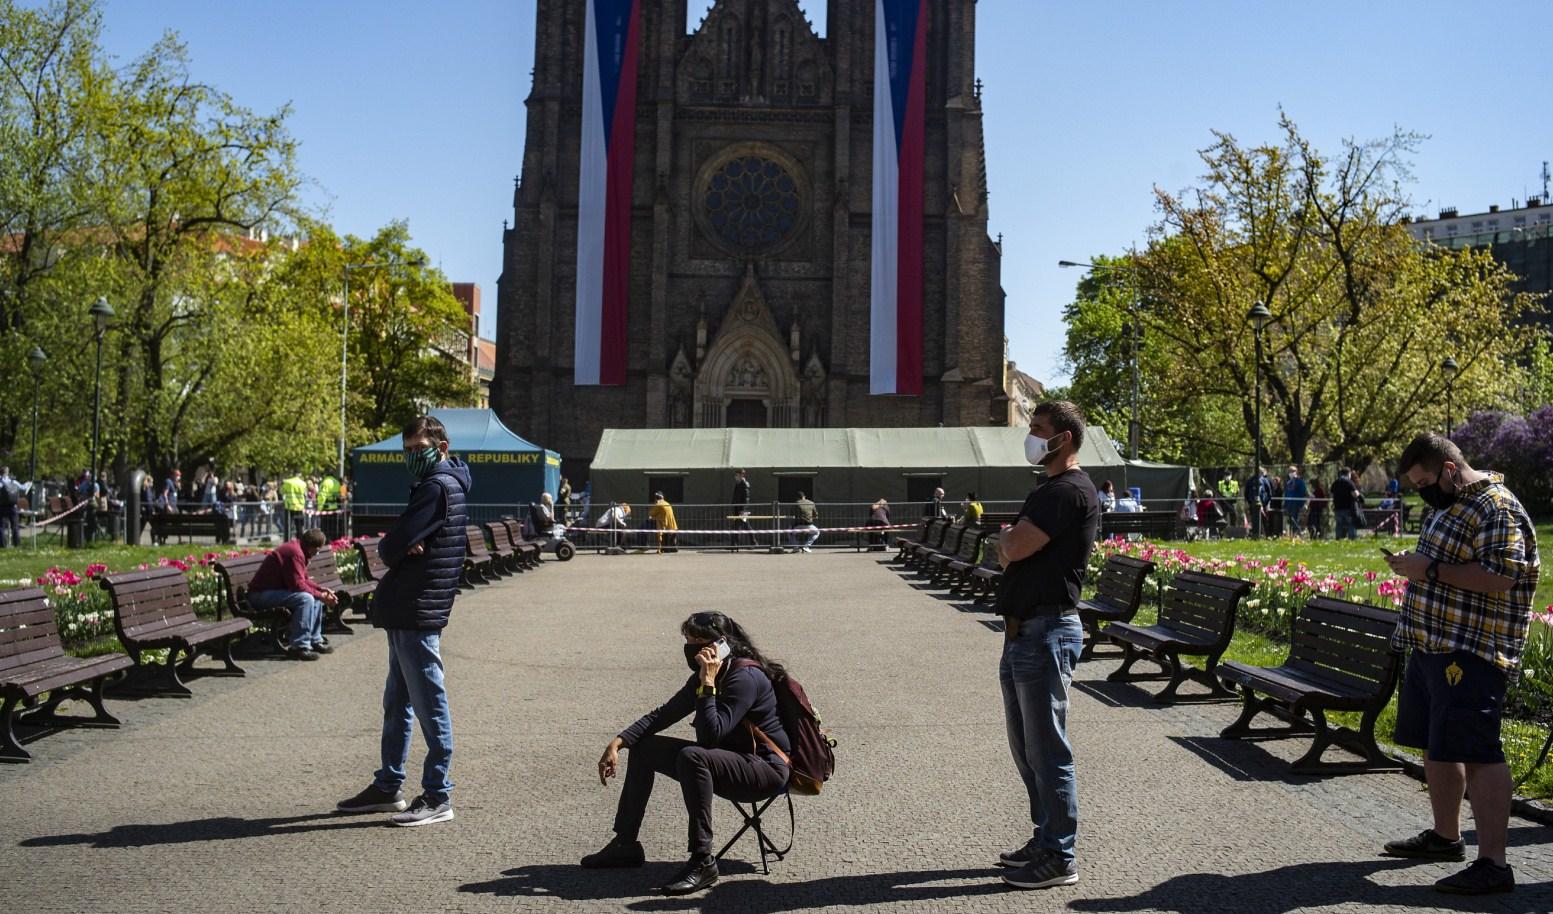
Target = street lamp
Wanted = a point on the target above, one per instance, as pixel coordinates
(102, 313)
(1258, 316)
(1135, 426)
(345, 330)
(35, 362)
(1449, 368)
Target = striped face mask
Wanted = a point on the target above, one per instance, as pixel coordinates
(420, 462)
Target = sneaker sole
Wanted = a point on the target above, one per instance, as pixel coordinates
(1069, 879)
(429, 820)
(1453, 857)
(399, 806)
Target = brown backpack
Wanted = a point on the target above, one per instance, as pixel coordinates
(812, 760)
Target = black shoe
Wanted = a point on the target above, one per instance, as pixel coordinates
(698, 874)
(373, 800)
(616, 855)
(1021, 855)
(301, 653)
(1427, 845)
(1483, 877)
(1044, 871)
(323, 647)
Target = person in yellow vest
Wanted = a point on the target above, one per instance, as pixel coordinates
(971, 516)
(329, 505)
(662, 514)
(293, 499)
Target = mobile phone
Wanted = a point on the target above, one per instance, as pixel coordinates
(723, 650)
(1388, 552)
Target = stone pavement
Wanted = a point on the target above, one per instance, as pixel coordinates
(222, 802)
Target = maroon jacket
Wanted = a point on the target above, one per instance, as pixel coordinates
(285, 569)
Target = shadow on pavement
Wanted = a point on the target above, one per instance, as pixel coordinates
(572, 883)
(1304, 886)
(219, 828)
(1242, 760)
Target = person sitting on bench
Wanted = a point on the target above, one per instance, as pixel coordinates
(730, 695)
(282, 581)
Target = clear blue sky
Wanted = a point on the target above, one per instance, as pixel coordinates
(415, 110)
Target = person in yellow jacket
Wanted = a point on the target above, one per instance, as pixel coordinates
(662, 514)
(293, 499)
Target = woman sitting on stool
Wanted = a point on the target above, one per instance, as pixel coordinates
(729, 692)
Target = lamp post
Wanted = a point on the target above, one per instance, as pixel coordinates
(1449, 368)
(1135, 339)
(35, 362)
(102, 313)
(345, 331)
(1258, 316)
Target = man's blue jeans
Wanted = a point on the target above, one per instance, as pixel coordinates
(307, 614)
(1347, 523)
(1035, 672)
(415, 690)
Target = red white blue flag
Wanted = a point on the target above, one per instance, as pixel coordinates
(604, 197)
(895, 307)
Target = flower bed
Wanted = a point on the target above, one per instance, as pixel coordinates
(84, 613)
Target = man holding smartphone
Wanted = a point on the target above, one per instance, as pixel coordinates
(1465, 617)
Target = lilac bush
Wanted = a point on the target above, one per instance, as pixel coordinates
(1520, 447)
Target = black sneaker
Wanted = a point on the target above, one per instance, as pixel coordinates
(700, 873)
(323, 647)
(424, 811)
(1022, 855)
(301, 653)
(617, 854)
(1427, 845)
(373, 800)
(1483, 877)
(1043, 872)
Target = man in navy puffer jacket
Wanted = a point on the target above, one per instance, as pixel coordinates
(424, 553)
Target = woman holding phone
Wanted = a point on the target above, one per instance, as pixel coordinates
(729, 692)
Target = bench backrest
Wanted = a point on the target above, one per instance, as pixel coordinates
(236, 574)
(1162, 523)
(370, 560)
(927, 523)
(501, 536)
(952, 538)
(970, 543)
(936, 532)
(152, 598)
(514, 530)
(1203, 605)
(1348, 644)
(1121, 580)
(28, 632)
(989, 551)
(477, 548)
(324, 568)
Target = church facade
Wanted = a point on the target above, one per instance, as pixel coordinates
(750, 221)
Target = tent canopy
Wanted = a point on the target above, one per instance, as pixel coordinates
(506, 469)
(850, 464)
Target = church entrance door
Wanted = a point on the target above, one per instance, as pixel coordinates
(744, 413)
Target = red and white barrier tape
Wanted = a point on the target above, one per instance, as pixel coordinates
(753, 531)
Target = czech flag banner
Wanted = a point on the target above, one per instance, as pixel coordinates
(895, 306)
(604, 196)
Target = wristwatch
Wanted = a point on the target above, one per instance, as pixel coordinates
(706, 691)
(1432, 573)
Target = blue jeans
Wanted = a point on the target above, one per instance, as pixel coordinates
(307, 614)
(1036, 669)
(1347, 522)
(414, 689)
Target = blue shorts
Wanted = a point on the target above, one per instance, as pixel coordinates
(1450, 704)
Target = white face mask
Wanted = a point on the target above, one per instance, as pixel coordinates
(1037, 449)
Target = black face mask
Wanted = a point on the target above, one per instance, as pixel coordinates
(691, 650)
(1436, 497)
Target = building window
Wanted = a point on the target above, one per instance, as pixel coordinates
(672, 487)
(752, 203)
(788, 488)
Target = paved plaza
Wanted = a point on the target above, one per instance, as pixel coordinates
(223, 802)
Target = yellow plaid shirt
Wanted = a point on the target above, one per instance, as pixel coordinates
(1486, 524)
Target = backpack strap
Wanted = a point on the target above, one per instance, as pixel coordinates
(761, 735)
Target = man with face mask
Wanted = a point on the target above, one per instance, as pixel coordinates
(1044, 555)
(1467, 610)
(424, 552)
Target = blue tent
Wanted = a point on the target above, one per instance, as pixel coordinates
(508, 471)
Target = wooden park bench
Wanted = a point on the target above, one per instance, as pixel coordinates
(1196, 619)
(936, 533)
(184, 526)
(943, 565)
(325, 569)
(533, 546)
(1118, 594)
(152, 609)
(479, 564)
(984, 578)
(958, 571)
(236, 574)
(1149, 524)
(33, 662)
(508, 553)
(928, 560)
(1340, 659)
(905, 542)
(371, 563)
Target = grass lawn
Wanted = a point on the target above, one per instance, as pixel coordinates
(1522, 740)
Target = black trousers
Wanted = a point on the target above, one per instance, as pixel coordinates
(701, 773)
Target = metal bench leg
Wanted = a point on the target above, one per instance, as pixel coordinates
(44, 714)
(1178, 675)
(10, 749)
(229, 666)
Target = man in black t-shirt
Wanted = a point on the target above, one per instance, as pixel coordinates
(1343, 505)
(1044, 556)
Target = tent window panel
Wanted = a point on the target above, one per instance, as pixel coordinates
(672, 487)
(919, 489)
(788, 487)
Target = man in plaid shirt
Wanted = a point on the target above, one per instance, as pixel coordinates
(1471, 582)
